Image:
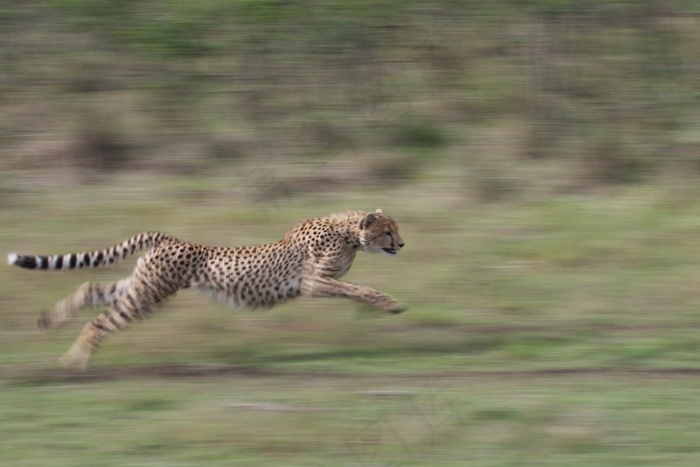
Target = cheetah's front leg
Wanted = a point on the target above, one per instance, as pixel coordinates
(331, 288)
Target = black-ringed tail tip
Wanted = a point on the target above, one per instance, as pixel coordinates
(29, 262)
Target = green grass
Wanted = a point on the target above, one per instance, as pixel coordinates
(540, 158)
(320, 420)
(608, 93)
(560, 331)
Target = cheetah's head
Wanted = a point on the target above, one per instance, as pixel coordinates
(379, 233)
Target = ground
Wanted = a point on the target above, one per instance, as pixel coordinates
(554, 331)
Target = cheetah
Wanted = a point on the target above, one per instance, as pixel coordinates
(308, 261)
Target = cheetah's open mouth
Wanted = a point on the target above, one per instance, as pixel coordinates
(389, 251)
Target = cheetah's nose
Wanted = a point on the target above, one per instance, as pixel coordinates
(401, 244)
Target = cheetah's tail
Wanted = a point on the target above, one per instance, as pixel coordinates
(91, 259)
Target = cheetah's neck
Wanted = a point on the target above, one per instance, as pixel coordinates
(348, 224)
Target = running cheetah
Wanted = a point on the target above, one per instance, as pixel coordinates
(308, 261)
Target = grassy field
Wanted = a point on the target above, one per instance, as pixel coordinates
(540, 157)
(551, 331)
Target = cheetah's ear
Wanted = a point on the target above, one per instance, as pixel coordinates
(367, 221)
(379, 211)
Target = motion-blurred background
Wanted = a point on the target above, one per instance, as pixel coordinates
(541, 157)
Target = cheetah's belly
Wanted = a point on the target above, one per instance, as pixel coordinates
(244, 295)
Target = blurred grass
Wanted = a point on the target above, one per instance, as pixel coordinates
(606, 94)
(480, 421)
(540, 157)
(539, 332)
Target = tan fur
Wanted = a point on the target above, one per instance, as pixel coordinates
(308, 261)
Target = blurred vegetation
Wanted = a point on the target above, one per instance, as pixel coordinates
(606, 91)
(541, 158)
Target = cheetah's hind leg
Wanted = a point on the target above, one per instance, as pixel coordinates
(135, 301)
(88, 294)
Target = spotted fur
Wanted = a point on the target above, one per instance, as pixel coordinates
(308, 261)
